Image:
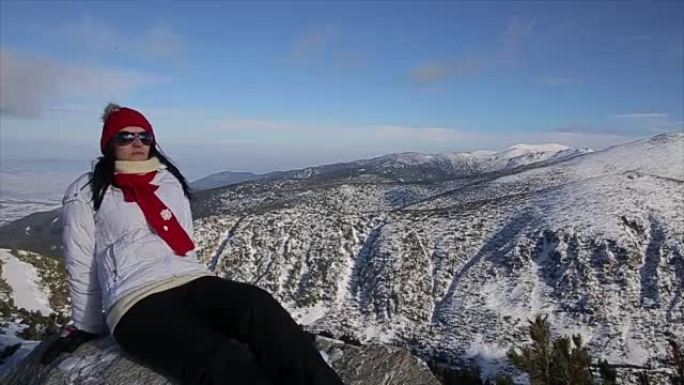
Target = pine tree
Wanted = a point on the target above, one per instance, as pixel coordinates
(570, 362)
(678, 362)
(607, 372)
(535, 358)
(642, 379)
(563, 361)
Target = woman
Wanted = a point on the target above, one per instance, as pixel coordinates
(133, 271)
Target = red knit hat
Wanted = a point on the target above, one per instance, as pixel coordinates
(116, 118)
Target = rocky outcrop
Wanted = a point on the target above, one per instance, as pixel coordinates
(375, 364)
(102, 362)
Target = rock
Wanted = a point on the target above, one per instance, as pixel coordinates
(93, 363)
(101, 362)
(375, 364)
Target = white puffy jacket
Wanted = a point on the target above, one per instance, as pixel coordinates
(113, 251)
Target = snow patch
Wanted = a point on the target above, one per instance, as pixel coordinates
(310, 315)
(489, 356)
(378, 333)
(25, 283)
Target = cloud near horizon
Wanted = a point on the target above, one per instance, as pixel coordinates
(308, 145)
(412, 134)
(650, 122)
(32, 84)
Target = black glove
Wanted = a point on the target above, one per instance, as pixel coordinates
(69, 340)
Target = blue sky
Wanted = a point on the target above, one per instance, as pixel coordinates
(277, 85)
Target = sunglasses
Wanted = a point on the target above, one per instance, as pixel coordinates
(124, 137)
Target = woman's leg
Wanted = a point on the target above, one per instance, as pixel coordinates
(160, 332)
(251, 315)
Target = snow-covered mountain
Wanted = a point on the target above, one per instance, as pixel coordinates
(221, 179)
(417, 167)
(451, 265)
(454, 269)
(466, 163)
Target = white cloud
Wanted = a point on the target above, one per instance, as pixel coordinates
(649, 122)
(594, 140)
(641, 115)
(26, 85)
(508, 51)
(219, 143)
(513, 38)
(413, 134)
(325, 47)
(555, 80)
(31, 84)
(161, 42)
(436, 71)
(429, 72)
(312, 44)
(157, 42)
(334, 145)
(254, 125)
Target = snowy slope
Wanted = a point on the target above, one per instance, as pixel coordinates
(455, 269)
(455, 262)
(220, 179)
(32, 288)
(417, 167)
(481, 161)
(25, 283)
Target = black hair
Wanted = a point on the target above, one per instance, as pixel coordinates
(103, 173)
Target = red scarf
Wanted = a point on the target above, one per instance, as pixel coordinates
(137, 188)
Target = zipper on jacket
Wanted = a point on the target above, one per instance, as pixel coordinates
(112, 262)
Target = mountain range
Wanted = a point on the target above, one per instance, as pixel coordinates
(449, 255)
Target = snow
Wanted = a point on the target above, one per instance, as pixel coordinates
(85, 366)
(12, 209)
(634, 353)
(325, 356)
(25, 283)
(567, 239)
(378, 333)
(34, 185)
(515, 303)
(524, 149)
(482, 160)
(311, 315)
(10, 338)
(488, 355)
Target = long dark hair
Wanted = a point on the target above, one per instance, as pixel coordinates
(103, 173)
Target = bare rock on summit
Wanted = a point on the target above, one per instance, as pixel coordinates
(101, 362)
(97, 362)
(375, 364)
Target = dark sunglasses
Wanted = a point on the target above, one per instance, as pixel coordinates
(124, 137)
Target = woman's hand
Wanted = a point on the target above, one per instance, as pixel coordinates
(69, 340)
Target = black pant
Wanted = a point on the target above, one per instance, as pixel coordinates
(215, 331)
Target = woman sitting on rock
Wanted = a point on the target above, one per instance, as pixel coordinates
(133, 271)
